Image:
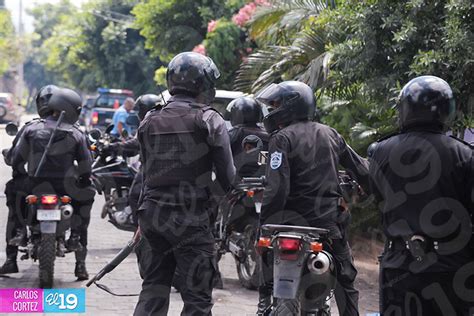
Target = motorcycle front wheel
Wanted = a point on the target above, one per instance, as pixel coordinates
(46, 257)
(248, 269)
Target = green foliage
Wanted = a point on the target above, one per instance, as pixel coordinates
(45, 17)
(97, 46)
(279, 22)
(391, 42)
(305, 58)
(225, 47)
(160, 76)
(8, 44)
(174, 26)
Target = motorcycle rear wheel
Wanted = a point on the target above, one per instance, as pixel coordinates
(248, 270)
(46, 257)
(291, 307)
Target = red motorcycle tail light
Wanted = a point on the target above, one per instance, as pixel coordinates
(49, 199)
(250, 193)
(289, 244)
(95, 118)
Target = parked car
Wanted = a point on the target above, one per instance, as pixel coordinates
(104, 106)
(87, 106)
(9, 111)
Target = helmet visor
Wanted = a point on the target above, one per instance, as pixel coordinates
(271, 96)
(212, 70)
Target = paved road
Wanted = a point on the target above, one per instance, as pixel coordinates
(105, 241)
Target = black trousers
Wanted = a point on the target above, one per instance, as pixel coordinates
(15, 192)
(431, 293)
(347, 297)
(177, 244)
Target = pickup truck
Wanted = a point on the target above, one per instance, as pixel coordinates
(102, 110)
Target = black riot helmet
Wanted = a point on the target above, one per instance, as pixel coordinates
(42, 99)
(66, 100)
(291, 101)
(145, 103)
(192, 74)
(244, 111)
(426, 101)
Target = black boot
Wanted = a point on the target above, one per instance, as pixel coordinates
(61, 247)
(80, 271)
(9, 266)
(73, 243)
(19, 239)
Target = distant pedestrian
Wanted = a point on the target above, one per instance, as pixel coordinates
(120, 118)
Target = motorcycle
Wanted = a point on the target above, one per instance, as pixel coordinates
(112, 176)
(304, 273)
(236, 228)
(238, 215)
(48, 219)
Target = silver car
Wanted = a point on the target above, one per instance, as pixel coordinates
(9, 111)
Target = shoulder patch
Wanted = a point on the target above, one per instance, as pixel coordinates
(275, 160)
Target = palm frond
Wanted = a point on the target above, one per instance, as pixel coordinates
(284, 15)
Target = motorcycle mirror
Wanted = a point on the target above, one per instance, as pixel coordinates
(263, 157)
(109, 128)
(11, 129)
(95, 134)
(132, 120)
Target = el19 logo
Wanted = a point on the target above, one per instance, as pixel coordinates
(58, 299)
(64, 300)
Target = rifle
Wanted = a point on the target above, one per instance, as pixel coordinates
(116, 261)
(50, 142)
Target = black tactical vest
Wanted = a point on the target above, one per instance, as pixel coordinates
(176, 147)
(60, 159)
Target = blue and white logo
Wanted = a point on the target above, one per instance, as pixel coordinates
(64, 300)
(275, 160)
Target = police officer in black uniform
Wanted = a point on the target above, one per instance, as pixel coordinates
(15, 191)
(180, 147)
(423, 180)
(244, 114)
(59, 173)
(131, 147)
(302, 181)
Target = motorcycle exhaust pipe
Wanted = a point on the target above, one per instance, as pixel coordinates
(66, 211)
(235, 246)
(319, 263)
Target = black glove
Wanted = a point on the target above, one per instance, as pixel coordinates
(113, 148)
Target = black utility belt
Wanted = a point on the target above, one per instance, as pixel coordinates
(417, 245)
